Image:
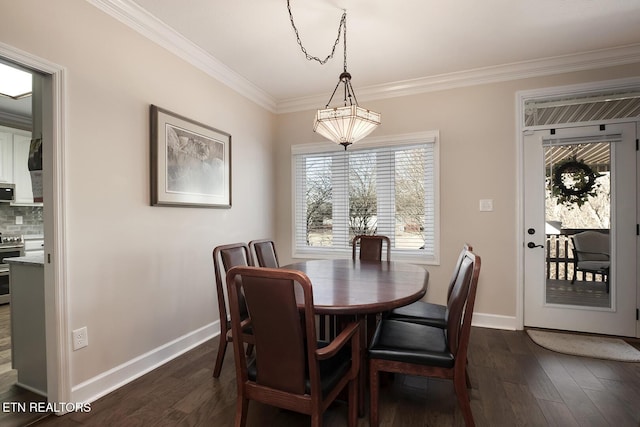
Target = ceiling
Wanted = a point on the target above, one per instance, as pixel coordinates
(393, 47)
(19, 109)
(392, 42)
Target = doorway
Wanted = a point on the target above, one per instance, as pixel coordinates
(53, 119)
(580, 208)
(20, 122)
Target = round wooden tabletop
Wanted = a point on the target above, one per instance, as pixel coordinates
(343, 286)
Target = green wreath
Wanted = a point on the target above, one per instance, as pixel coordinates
(574, 182)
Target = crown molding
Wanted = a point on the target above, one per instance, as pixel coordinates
(135, 17)
(520, 70)
(15, 120)
(132, 15)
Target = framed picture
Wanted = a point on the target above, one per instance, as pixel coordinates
(190, 162)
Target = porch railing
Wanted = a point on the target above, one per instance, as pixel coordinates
(560, 259)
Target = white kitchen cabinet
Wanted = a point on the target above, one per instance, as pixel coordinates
(21, 174)
(6, 156)
(33, 244)
(14, 152)
(28, 332)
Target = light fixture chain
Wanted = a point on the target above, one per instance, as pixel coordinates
(343, 24)
(344, 39)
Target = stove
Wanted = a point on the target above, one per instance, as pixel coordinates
(11, 246)
(11, 239)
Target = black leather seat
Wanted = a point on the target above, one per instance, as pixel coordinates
(415, 349)
(427, 313)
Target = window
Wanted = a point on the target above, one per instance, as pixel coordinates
(383, 186)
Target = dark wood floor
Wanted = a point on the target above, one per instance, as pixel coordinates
(514, 383)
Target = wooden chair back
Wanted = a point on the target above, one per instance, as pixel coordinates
(456, 269)
(265, 252)
(224, 258)
(286, 370)
(370, 247)
(460, 305)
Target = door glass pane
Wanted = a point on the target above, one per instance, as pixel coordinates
(578, 223)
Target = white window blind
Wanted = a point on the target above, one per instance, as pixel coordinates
(388, 188)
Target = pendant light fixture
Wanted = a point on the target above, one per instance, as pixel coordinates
(347, 123)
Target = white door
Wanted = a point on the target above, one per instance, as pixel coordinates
(580, 179)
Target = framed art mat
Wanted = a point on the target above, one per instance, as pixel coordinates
(190, 162)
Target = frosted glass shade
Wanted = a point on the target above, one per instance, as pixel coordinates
(345, 125)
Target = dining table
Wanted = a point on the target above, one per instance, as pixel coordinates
(353, 287)
(346, 287)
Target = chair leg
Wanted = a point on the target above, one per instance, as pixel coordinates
(353, 402)
(222, 348)
(371, 321)
(460, 387)
(374, 389)
(466, 374)
(242, 407)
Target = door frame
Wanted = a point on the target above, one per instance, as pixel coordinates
(58, 340)
(583, 89)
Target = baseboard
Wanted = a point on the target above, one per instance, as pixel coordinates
(494, 321)
(117, 377)
(42, 393)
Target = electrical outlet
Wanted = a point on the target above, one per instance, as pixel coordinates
(18, 220)
(80, 338)
(486, 205)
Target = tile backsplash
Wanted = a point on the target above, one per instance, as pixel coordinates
(31, 219)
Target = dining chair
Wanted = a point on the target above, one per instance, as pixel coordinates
(427, 313)
(370, 247)
(370, 250)
(266, 256)
(415, 349)
(265, 252)
(225, 257)
(291, 369)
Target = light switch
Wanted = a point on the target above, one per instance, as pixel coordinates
(486, 205)
(18, 219)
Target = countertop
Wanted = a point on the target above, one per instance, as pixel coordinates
(32, 236)
(27, 260)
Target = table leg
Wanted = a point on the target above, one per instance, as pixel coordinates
(364, 367)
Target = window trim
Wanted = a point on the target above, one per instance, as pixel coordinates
(370, 143)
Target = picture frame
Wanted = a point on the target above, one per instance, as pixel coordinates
(190, 162)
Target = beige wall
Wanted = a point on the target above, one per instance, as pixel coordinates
(139, 277)
(477, 161)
